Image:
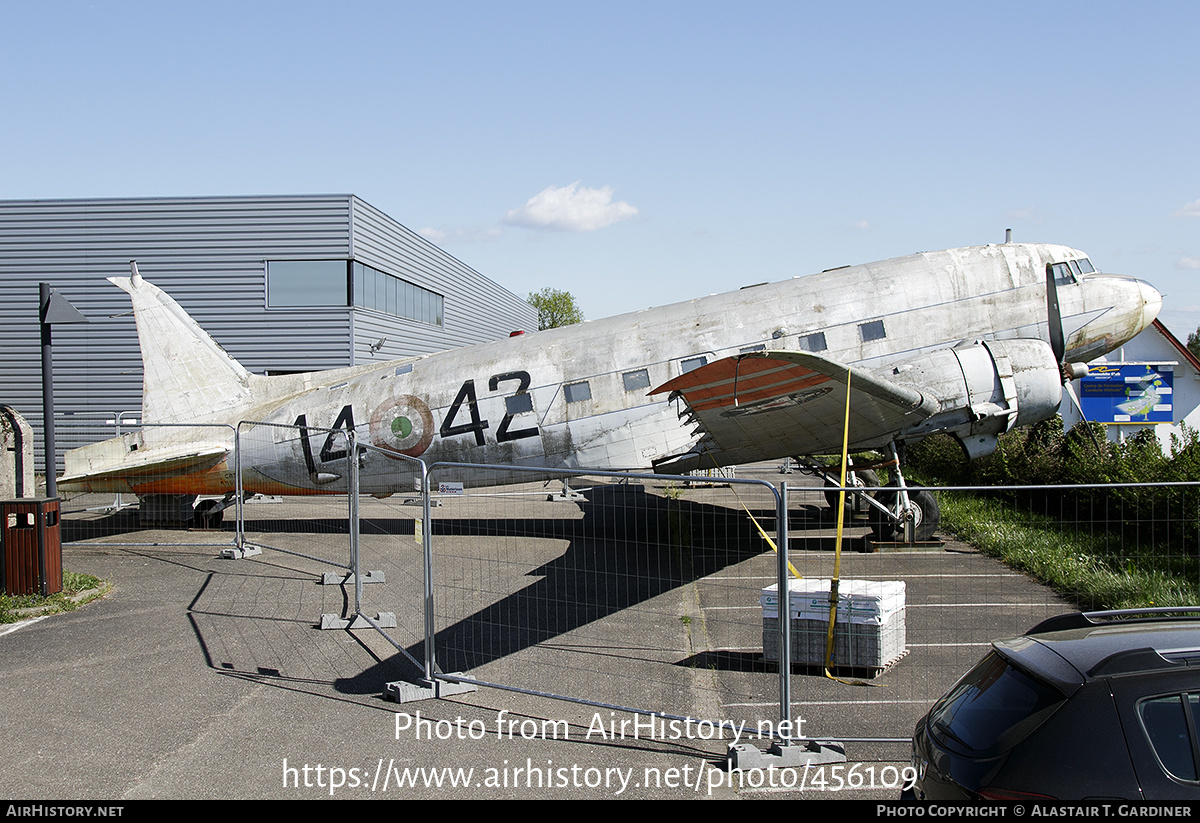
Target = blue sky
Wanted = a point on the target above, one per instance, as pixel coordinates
(638, 153)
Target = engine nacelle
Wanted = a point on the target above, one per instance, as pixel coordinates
(983, 389)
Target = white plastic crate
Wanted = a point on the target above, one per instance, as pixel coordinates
(869, 630)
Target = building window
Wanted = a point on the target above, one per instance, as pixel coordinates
(292, 283)
(577, 392)
(311, 283)
(382, 292)
(872, 331)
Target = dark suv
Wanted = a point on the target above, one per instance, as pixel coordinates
(1087, 705)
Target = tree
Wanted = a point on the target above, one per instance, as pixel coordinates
(555, 308)
(1193, 342)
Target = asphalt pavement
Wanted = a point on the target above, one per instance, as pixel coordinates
(203, 677)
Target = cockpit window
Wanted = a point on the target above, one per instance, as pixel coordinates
(1071, 270)
(1062, 273)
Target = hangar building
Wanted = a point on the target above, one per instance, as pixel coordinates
(283, 283)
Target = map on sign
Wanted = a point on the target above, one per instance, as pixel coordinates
(1128, 393)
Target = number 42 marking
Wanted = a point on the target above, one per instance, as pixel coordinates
(516, 403)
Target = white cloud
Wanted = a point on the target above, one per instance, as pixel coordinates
(571, 208)
(460, 235)
(1188, 263)
(863, 225)
(1192, 209)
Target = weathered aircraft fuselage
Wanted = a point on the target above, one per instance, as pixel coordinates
(582, 396)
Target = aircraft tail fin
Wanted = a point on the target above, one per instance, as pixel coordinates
(186, 375)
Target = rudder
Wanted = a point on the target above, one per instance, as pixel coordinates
(186, 375)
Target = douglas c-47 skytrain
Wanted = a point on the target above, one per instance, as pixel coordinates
(970, 341)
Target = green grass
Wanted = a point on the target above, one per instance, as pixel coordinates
(1099, 570)
(22, 607)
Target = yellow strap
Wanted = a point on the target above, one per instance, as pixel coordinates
(770, 542)
(837, 549)
(761, 530)
(837, 545)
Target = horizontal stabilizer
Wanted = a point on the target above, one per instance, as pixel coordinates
(106, 466)
(764, 405)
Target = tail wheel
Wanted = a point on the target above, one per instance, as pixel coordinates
(925, 512)
(208, 516)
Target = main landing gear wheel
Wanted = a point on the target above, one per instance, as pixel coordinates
(854, 503)
(925, 512)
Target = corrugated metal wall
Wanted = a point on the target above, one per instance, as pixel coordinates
(209, 254)
(476, 309)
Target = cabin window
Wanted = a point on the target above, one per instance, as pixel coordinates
(1085, 266)
(749, 349)
(872, 331)
(577, 392)
(816, 341)
(518, 403)
(635, 380)
(692, 363)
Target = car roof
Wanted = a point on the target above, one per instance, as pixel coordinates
(1070, 649)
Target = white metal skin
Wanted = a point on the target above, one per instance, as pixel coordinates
(949, 341)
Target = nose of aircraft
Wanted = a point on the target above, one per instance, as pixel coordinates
(1127, 306)
(1151, 302)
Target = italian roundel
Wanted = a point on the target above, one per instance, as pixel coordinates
(403, 425)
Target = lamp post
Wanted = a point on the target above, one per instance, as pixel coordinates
(52, 308)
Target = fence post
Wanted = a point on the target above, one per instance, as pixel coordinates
(352, 498)
(427, 549)
(783, 599)
(239, 536)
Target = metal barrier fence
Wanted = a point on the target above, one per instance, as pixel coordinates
(623, 591)
(645, 593)
(641, 592)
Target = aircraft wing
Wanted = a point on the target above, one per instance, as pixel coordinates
(764, 405)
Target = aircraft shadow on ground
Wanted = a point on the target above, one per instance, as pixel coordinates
(121, 521)
(628, 548)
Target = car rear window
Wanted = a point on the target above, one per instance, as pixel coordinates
(1171, 732)
(992, 708)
